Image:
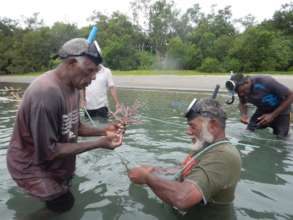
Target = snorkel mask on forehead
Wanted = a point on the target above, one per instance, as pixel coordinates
(206, 107)
(81, 47)
(94, 48)
(232, 85)
(199, 108)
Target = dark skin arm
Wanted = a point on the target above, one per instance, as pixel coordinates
(84, 130)
(243, 110)
(182, 195)
(110, 129)
(268, 118)
(112, 138)
(67, 149)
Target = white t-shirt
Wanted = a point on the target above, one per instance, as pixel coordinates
(96, 92)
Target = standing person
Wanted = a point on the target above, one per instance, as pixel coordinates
(96, 101)
(271, 98)
(43, 147)
(208, 180)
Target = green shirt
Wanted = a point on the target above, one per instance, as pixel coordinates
(217, 173)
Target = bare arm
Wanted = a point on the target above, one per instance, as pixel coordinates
(179, 194)
(182, 195)
(84, 130)
(114, 95)
(67, 149)
(268, 118)
(243, 111)
(243, 108)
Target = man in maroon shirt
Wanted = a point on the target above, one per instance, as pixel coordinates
(43, 148)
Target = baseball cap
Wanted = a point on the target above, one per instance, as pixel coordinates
(80, 47)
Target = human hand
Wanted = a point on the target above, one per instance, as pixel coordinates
(265, 119)
(244, 119)
(113, 141)
(114, 128)
(139, 175)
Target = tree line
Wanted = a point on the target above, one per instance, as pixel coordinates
(158, 36)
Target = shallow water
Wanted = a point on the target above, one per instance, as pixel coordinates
(103, 190)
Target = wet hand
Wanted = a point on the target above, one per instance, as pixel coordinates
(244, 119)
(113, 141)
(114, 128)
(265, 119)
(139, 175)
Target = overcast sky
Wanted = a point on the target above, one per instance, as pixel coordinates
(74, 11)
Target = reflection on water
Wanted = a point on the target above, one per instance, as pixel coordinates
(103, 190)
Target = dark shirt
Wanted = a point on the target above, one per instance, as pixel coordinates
(48, 114)
(266, 94)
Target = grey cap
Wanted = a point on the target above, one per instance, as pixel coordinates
(206, 107)
(80, 47)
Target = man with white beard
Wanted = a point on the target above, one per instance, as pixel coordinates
(209, 175)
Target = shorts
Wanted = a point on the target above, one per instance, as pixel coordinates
(45, 189)
(101, 112)
(280, 124)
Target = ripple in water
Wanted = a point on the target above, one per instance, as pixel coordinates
(103, 190)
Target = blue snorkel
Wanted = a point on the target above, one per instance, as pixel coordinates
(91, 40)
(92, 35)
(94, 48)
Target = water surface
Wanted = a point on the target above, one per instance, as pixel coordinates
(103, 190)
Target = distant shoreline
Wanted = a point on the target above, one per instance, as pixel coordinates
(162, 82)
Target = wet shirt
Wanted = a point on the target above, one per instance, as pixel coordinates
(48, 115)
(217, 173)
(267, 94)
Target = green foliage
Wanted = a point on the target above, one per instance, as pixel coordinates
(261, 50)
(181, 55)
(146, 60)
(158, 37)
(210, 65)
(283, 19)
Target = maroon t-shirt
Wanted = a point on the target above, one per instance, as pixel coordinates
(48, 114)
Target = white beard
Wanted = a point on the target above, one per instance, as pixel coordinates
(205, 137)
(197, 145)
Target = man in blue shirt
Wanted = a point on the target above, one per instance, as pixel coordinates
(271, 98)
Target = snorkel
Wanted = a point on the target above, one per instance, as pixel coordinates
(216, 91)
(91, 41)
(91, 38)
(92, 35)
(94, 50)
(192, 110)
(206, 108)
(230, 86)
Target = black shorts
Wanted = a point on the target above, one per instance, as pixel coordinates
(101, 112)
(280, 124)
